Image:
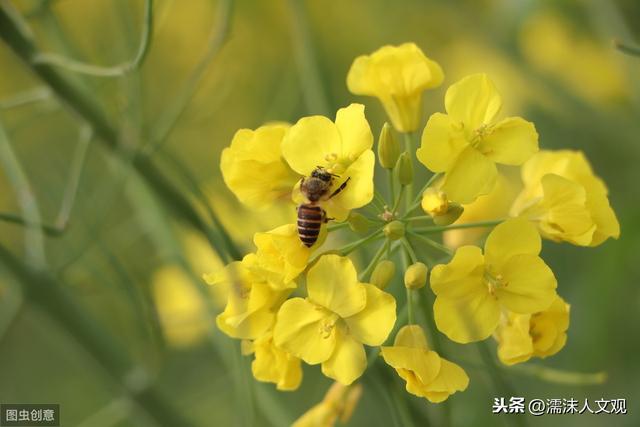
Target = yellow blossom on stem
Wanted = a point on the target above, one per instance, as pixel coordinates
(253, 167)
(466, 143)
(473, 289)
(522, 336)
(338, 404)
(252, 302)
(566, 200)
(426, 373)
(338, 317)
(272, 364)
(397, 76)
(342, 148)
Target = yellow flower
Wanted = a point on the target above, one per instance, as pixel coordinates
(473, 289)
(272, 364)
(522, 336)
(565, 199)
(181, 308)
(338, 317)
(466, 143)
(397, 76)
(343, 148)
(281, 255)
(253, 168)
(434, 202)
(339, 403)
(426, 373)
(252, 302)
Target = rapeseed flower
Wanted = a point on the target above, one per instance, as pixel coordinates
(272, 364)
(466, 143)
(339, 315)
(473, 288)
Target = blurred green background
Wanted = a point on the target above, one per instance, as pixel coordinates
(130, 265)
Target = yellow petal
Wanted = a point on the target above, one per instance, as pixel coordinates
(348, 361)
(355, 132)
(373, 324)
(451, 378)
(416, 366)
(333, 283)
(310, 143)
(461, 276)
(281, 254)
(549, 328)
(411, 336)
(467, 319)
(514, 341)
(473, 101)
(511, 142)
(529, 284)
(607, 224)
(305, 330)
(274, 365)
(471, 175)
(359, 189)
(441, 143)
(513, 237)
(253, 169)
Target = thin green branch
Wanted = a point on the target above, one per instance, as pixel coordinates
(347, 249)
(558, 376)
(626, 49)
(119, 70)
(310, 80)
(412, 253)
(177, 107)
(440, 228)
(374, 261)
(337, 226)
(437, 245)
(25, 98)
(34, 242)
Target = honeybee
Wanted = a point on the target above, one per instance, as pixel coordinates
(310, 215)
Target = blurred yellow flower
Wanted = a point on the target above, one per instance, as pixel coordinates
(565, 199)
(252, 302)
(343, 148)
(253, 167)
(339, 403)
(181, 308)
(338, 317)
(465, 144)
(426, 373)
(473, 289)
(272, 364)
(434, 202)
(281, 255)
(522, 336)
(397, 76)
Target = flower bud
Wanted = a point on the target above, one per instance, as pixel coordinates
(382, 274)
(405, 169)
(358, 223)
(416, 276)
(434, 202)
(394, 230)
(452, 215)
(388, 147)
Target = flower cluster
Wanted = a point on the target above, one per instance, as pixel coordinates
(291, 302)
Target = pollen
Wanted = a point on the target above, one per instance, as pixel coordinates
(494, 281)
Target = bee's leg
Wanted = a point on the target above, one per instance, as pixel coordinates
(339, 189)
(325, 218)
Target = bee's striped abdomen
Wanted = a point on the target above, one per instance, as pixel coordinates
(310, 218)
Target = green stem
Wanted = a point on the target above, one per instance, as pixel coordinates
(99, 71)
(396, 204)
(405, 265)
(412, 253)
(559, 376)
(440, 228)
(392, 188)
(379, 200)
(25, 98)
(337, 226)
(347, 249)
(374, 261)
(408, 148)
(432, 243)
(624, 48)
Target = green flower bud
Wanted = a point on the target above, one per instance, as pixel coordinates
(388, 147)
(358, 223)
(382, 274)
(416, 276)
(394, 230)
(453, 213)
(405, 169)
